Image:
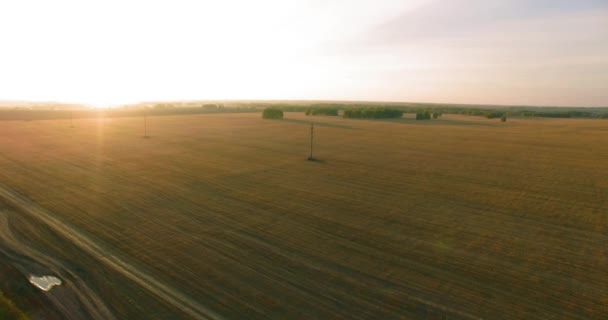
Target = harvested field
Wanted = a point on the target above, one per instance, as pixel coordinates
(457, 218)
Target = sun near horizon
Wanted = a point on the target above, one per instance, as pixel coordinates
(303, 159)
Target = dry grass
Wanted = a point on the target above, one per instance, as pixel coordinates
(454, 217)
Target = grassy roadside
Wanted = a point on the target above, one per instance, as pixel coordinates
(8, 310)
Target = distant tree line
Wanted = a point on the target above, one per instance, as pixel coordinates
(372, 113)
(320, 111)
(178, 108)
(494, 114)
(206, 108)
(427, 115)
(563, 114)
(213, 107)
(434, 108)
(25, 114)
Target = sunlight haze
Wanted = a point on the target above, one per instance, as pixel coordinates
(455, 51)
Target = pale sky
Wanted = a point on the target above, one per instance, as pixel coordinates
(527, 52)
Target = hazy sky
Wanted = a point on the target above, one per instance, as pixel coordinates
(536, 52)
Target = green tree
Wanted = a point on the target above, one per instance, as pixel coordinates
(423, 115)
(272, 113)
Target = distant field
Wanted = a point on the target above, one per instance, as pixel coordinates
(456, 218)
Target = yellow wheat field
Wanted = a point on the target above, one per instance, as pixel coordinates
(455, 218)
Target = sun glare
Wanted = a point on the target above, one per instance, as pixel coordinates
(282, 49)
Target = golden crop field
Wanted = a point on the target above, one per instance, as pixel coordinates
(456, 218)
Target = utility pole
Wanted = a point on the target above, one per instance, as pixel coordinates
(145, 123)
(312, 135)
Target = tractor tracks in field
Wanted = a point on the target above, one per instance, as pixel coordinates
(166, 293)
